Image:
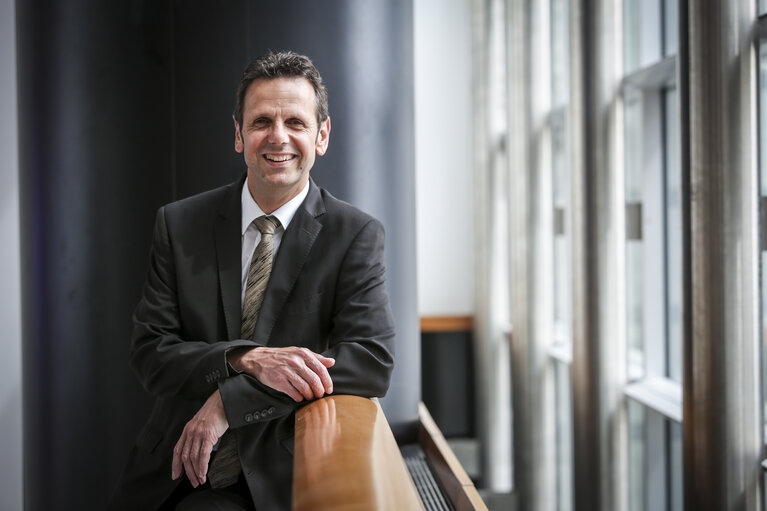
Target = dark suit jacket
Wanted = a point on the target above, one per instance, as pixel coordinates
(326, 292)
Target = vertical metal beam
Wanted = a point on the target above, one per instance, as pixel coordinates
(722, 428)
(598, 370)
(491, 348)
(531, 248)
(585, 381)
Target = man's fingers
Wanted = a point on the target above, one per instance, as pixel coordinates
(298, 372)
(292, 391)
(322, 383)
(186, 459)
(191, 475)
(194, 455)
(207, 448)
(176, 464)
(192, 451)
(326, 361)
(300, 383)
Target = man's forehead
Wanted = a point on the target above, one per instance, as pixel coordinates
(269, 94)
(276, 87)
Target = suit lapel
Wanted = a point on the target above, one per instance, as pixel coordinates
(297, 242)
(228, 236)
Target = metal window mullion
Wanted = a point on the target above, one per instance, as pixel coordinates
(722, 436)
(598, 269)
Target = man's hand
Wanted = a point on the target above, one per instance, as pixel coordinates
(298, 372)
(197, 440)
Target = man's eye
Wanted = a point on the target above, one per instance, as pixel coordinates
(295, 122)
(260, 123)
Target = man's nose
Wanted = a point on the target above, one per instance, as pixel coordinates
(278, 134)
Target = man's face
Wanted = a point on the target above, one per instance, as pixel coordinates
(280, 136)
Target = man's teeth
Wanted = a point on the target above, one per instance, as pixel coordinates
(285, 157)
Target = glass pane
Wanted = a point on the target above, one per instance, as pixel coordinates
(634, 250)
(631, 40)
(561, 245)
(670, 29)
(559, 52)
(564, 431)
(655, 461)
(676, 489)
(762, 6)
(673, 244)
(637, 463)
(643, 33)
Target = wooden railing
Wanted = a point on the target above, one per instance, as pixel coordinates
(456, 482)
(346, 457)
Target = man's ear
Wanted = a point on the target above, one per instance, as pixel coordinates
(239, 144)
(323, 137)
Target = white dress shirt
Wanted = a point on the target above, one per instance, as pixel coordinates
(250, 234)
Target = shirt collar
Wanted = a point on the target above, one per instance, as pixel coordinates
(285, 213)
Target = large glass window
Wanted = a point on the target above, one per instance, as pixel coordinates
(653, 254)
(561, 344)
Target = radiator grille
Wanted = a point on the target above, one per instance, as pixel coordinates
(429, 490)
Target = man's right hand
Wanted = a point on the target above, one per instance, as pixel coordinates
(298, 372)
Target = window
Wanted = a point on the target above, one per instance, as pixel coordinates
(653, 254)
(561, 347)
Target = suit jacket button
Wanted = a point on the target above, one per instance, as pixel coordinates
(271, 410)
(256, 415)
(248, 417)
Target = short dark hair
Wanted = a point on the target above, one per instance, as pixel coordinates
(283, 64)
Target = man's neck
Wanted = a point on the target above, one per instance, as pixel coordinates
(271, 202)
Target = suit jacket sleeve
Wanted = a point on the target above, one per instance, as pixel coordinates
(361, 337)
(166, 361)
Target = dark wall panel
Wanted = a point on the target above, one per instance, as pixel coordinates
(447, 381)
(210, 51)
(94, 90)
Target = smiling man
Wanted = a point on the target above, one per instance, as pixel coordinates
(261, 296)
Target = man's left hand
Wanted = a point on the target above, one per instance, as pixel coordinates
(200, 434)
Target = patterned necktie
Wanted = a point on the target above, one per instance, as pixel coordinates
(225, 467)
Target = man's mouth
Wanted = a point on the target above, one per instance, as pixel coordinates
(279, 157)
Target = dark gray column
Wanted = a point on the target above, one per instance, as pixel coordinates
(94, 91)
(597, 237)
(586, 373)
(722, 427)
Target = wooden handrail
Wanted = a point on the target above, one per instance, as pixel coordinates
(447, 469)
(346, 457)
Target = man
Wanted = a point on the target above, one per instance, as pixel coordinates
(322, 324)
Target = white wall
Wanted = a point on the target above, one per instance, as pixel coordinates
(10, 288)
(444, 186)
